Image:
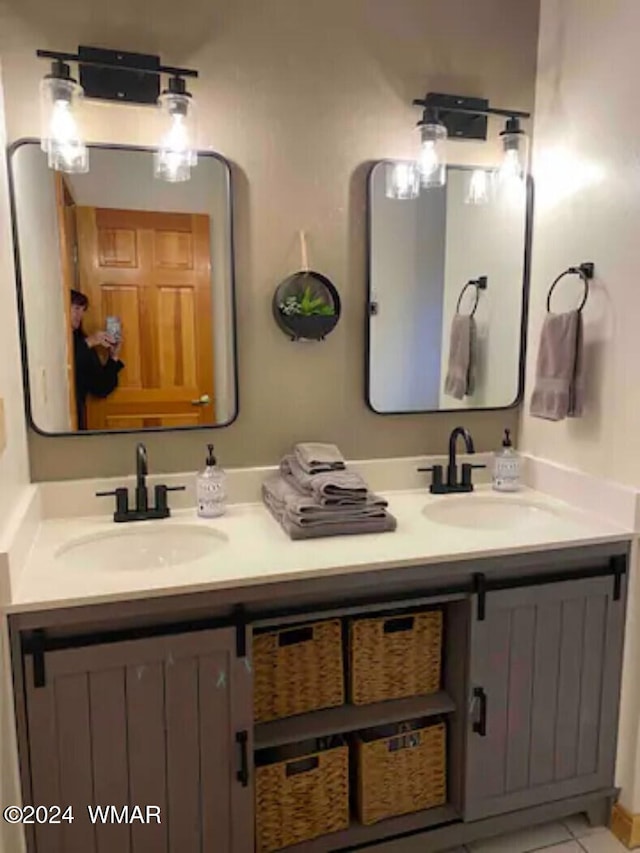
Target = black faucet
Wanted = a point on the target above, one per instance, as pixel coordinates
(452, 467)
(142, 511)
(452, 485)
(142, 469)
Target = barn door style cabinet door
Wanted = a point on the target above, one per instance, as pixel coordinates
(545, 683)
(164, 722)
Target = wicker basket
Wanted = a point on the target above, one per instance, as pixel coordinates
(400, 769)
(303, 795)
(297, 670)
(395, 656)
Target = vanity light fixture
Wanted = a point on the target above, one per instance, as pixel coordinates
(60, 136)
(176, 154)
(515, 158)
(125, 77)
(460, 117)
(432, 161)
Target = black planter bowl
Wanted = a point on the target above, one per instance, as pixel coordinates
(314, 327)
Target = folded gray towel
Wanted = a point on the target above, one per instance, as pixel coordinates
(337, 522)
(288, 500)
(461, 373)
(314, 457)
(385, 524)
(329, 487)
(558, 392)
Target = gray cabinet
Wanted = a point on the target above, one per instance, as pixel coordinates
(164, 721)
(152, 704)
(545, 679)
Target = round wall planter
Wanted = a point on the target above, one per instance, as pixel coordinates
(314, 327)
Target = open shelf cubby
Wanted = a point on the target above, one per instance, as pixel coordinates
(449, 702)
(348, 718)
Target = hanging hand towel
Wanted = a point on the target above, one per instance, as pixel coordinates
(559, 386)
(460, 380)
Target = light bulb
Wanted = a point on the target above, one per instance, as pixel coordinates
(61, 138)
(511, 168)
(432, 161)
(478, 189)
(176, 153)
(515, 159)
(402, 180)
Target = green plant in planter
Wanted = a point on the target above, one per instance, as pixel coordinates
(306, 305)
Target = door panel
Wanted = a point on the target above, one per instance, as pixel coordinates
(548, 659)
(117, 247)
(153, 270)
(176, 320)
(124, 301)
(144, 722)
(173, 250)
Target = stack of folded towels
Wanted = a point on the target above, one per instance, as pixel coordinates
(314, 494)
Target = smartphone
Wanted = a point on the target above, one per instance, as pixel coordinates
(114, 328)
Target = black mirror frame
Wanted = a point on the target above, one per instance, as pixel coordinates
(524, 324)
(11, 150)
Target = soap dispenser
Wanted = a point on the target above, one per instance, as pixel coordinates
(211, 488)
(506, 466)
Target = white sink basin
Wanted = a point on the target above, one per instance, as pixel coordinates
(136, 547)
(487, 513)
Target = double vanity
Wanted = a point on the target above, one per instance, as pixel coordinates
(133, 672)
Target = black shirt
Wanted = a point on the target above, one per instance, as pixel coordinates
(92, 376)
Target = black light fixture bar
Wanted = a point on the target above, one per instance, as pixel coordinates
(464, 117)
(74, 57)
(489, 111)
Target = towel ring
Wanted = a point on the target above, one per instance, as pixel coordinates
(586, 272)
(479, 284)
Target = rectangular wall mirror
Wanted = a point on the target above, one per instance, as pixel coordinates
(423, 252)
(126, 293)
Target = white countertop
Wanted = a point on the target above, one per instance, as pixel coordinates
(257, 551)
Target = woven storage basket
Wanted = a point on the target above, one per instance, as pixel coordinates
(395, 656)
(299, 798)
(297, 670)
(400, 771)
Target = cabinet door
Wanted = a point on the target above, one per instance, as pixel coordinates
(545, 676)
(149, 722)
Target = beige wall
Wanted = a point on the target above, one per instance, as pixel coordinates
(587, 171)
(14, 471)
(299, 96)
(14, 476)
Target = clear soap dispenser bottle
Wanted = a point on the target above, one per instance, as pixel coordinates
(211, 488)
(506, 466)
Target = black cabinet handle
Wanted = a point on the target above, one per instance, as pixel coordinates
(480, 725)
(242, 738)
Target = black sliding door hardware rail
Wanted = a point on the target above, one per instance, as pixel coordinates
(37, 643)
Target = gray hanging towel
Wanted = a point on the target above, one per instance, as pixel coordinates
(559, 385)
(461, 374)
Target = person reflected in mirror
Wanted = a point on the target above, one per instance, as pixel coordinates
(92, 376)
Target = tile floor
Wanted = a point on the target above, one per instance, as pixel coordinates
(570, 836)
